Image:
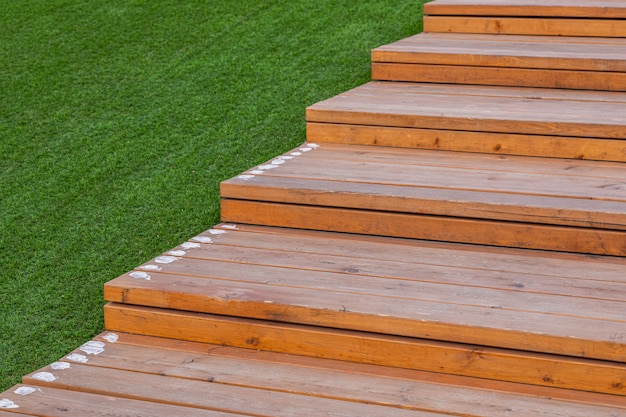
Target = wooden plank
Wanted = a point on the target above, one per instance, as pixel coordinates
(358, 383)
(415, 226)
(575, 193)
(583, 80)
(484, 50)
(501, 324)
(538, 369)
(605, 28)
(206, 395)
(319, 377)
(53, 402)
(605, 9)
(477, 108)
(217, 261)
(401, 297)
(606, 270)
(464, 141)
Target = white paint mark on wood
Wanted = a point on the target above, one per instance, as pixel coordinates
(45, 376)
(25, 390)
(140, 275)
(77, 357)
(306, 149)
(296, 153)
(313, 145)
(245, 177)
(230, 226)
(217, 232)
(151, 267)
(6, 403)
(93, 347)
(267, 167)
(165, 259)
(190, 245)
(177, 253)
(111, 337)
(58, 366)
(257, 172)
(203, 239)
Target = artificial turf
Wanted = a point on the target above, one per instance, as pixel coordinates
(118, 120)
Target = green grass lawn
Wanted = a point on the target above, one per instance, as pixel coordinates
(118, 120)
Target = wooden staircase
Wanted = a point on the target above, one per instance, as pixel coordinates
(451, 240)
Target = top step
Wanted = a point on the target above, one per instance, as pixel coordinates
(600, 18)
(603, 9)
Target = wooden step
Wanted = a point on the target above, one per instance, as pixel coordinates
(505, 120)
(536, 203)
(538, 26)
(138, 375)
(600, 9)
(374, 349)
(521, 61)
(525, 300)
(592, 18)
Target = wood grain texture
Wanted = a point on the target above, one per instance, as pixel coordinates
(533, 111)
(416, 226)
(458, 74)
(528, 190)
(204, 395)
(367, 348)
(463, 141)
(319, 377)
(507, 51)
(49, 401)
(546, 26)
(544, 301)
(137, 375)
(605, 9)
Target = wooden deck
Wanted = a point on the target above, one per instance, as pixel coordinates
(139, 375)
(451, 241)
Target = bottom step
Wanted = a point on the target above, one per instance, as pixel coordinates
(129, 375)
(545, 302)
(370, 348)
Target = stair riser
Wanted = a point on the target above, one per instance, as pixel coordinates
(529, 8)
(515, 77)
(448, 358)
(606, 28)
(463, 141)
(412, 226)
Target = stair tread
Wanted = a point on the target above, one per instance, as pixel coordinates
(546, 52)
(496, 297)
(560, 8)
(525, 189)
(184, 378)
(536, 111)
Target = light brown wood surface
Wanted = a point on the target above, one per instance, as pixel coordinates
(606, 9)
(458, 74)
(546, 26)
(312, 376)
(512, 366)
(464, 141)
(527, 190)
(516, 299)
(509, 51)
(137, 376)
(478, 108)
(520, 61)
(416, 226)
